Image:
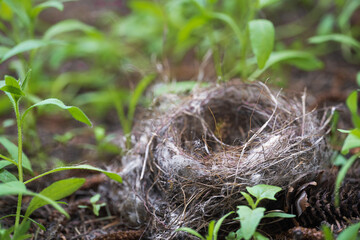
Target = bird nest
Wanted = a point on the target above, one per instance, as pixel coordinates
(192, 160)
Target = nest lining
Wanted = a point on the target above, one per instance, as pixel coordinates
(197, 160)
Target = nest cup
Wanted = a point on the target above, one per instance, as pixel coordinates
(214, 144)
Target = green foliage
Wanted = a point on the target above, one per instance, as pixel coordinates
(351, 232)
(11, 185)
(213, 229)
(250, 217)
(95, 205)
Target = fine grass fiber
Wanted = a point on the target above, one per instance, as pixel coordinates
(193, 159)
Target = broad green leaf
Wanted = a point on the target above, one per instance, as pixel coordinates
(12, 90)
(249, 220)
(351, 103)
(351, 232)
(341, 175)
(327, 233)
(262, 35)
(279, 215)
(67, 26)
(24, 47)
(341, 38)
(13, 151)
(300, 59)
(12, 86)
(248, 199)
(48, 4)
(6, 176)
(74, 111)
(4, 163)
(344, 131)
(264, 3)
(218, 224)
(111, 175)
(191, 231)
(15, 188)
(56, 191)
(351, 141)
(263, 191)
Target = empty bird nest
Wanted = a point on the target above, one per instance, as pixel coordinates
(193, 158)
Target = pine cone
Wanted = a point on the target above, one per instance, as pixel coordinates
(313, 202)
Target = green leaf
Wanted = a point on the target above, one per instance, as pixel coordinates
(20, 232)
(264, 3)
(48, 4)
(18, 7)
(351, 103)
(327, 233)
(6, 176)
(279, 215)
(350, 232)
(346, 13)
(358, 79)
(13, 150)
(351, 141)
(24, 47)
(56, 191)
(30, 219)
(210, 230)
(340, 177)
(262, 35)
(259, 236)
(4, 163)
(25, 80)
(248, 199)
(111, 175)
(191, 231)
(15, 188)
(67, 26)
(340, 38)
(249, 220)
(218, 224)
(140, 88)
(263, 191)
(12, 86)
(74, 111)
(300, 59)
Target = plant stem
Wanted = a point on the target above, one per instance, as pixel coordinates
(20, 169)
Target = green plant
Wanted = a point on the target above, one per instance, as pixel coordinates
(95, 206)
(351, 141)
(350, 233)
(213, 229)
(126, 120)
(250, 217)
(241, 44)
(13, 185)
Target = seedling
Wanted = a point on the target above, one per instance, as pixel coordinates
(213, 229)
(15, 185)
(95, 206)
(250, 217)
